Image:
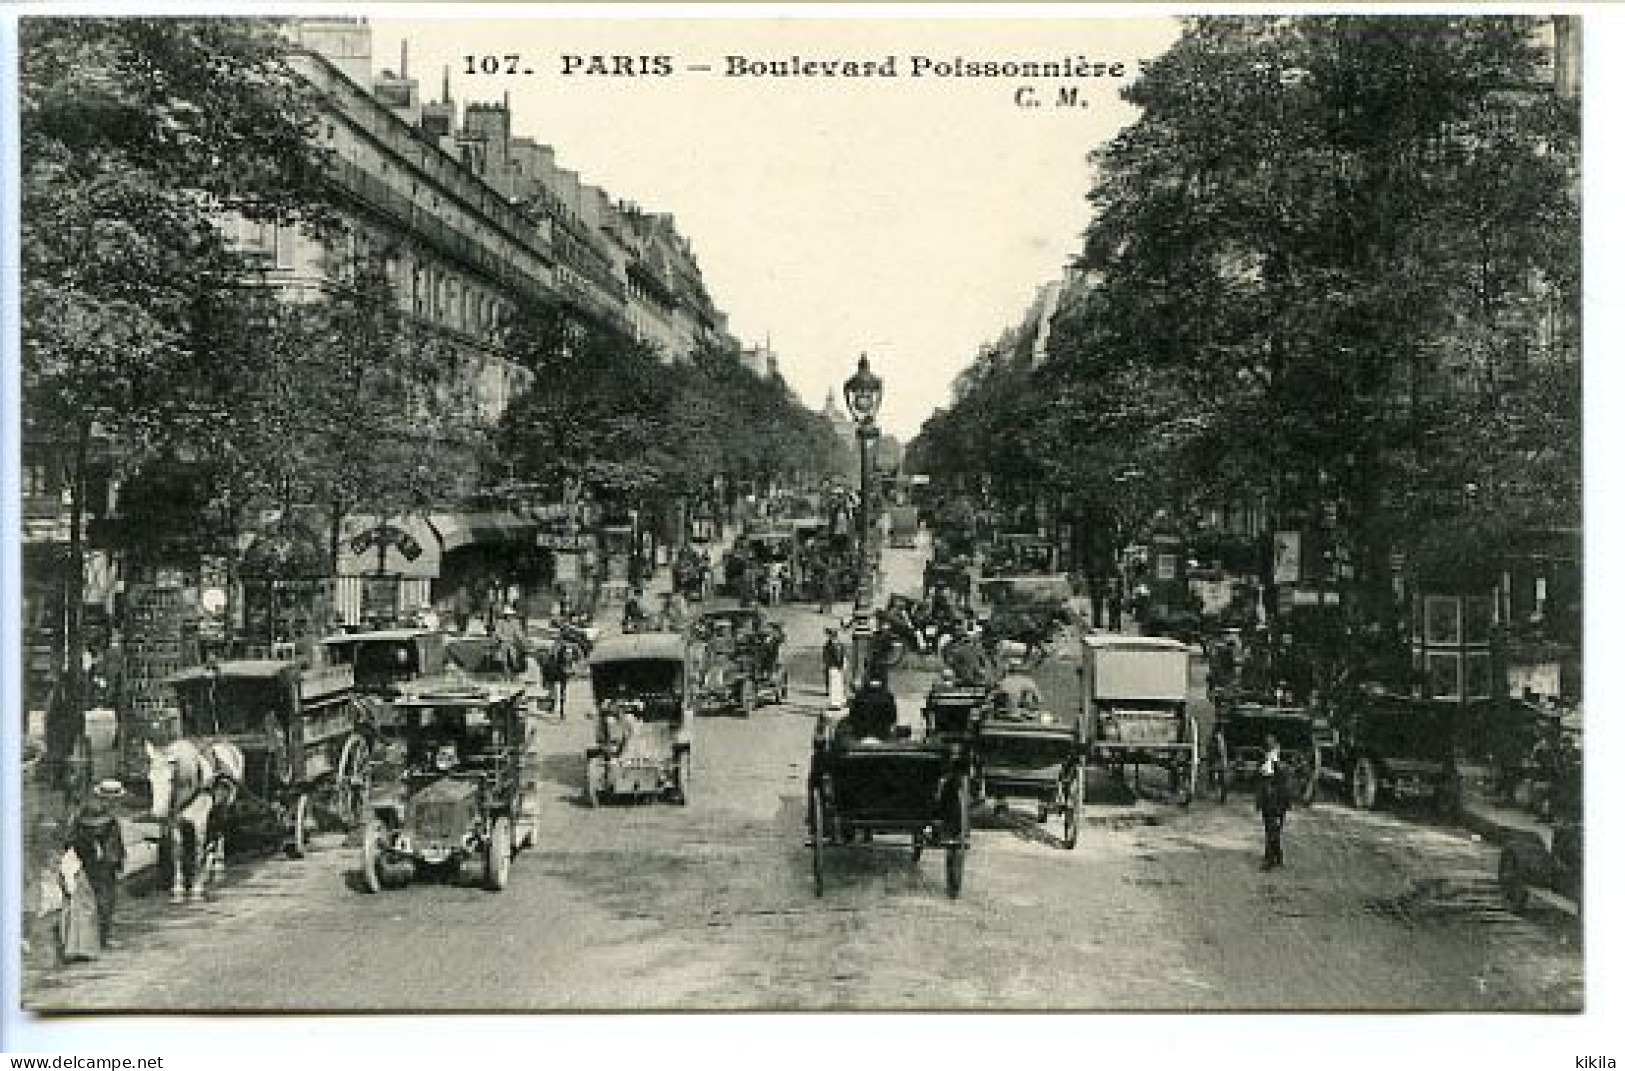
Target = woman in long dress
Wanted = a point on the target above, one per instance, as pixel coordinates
(80, 935)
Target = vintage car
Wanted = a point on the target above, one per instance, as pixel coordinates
(463, 794)
(644, 705)
(1236, 745)
(737, 660)
(1024, 750)
(1386, 747)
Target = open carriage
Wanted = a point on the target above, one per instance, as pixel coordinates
(1023, 750)
(306, 740)
(918, 789)
(643, 700)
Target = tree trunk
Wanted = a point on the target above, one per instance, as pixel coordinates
(67, 714)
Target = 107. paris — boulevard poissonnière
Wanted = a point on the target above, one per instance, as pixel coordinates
(889, 66)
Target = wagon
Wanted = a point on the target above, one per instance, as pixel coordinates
(1236, 748)
(463, 795)
(306, 740)
(1023, 750)
(1136, 709)
(643, 703)
(918, 789)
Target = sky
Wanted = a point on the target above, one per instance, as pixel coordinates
(912, 218)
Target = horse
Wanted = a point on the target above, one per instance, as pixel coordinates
(193, 788)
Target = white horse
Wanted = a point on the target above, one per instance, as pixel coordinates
(193, 787)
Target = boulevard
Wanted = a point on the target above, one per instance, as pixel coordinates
(710, 906)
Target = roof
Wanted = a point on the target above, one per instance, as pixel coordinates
(1116, 642)
(661, 646)
(250, 668)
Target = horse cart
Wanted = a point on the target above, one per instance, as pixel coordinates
(1025, 751)
(1237, 746)
(305, 737)
(1136, 708)
(919, 789)
(643, 700)
(464, 794)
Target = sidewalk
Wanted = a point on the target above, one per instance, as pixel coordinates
(1482, 813)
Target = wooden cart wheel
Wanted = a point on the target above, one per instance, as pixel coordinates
(683, 779)
(1073, 808)
(815, 826)
(299, 829)
(371, 878)
(1363, 784)
(1221, 771)
(594, 764)
(352, 782)
(958, 838)
(499, 854)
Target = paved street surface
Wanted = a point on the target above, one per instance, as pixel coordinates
(710, 906)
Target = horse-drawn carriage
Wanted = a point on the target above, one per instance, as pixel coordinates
(1028, 612)
(738, 660)
(1237, 745)
(305, 738)
(900, 786)
(463, 793)
(644, 704)
(1023, 750)
(1136, 708)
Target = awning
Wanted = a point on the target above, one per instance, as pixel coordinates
(492, 528)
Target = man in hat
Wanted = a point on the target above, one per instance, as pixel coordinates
(834, 667)
(1274, 800)
(510, 636)
(95, 837)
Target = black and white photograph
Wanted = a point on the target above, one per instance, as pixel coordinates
(720, 511)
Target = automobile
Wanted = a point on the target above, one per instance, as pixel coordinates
(463, 793)
(1236, 745)
(738, 660)
(1385, 747)
(643, 705)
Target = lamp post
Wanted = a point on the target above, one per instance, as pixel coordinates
(863, 393)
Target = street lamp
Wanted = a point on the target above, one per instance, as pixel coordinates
(863, 392)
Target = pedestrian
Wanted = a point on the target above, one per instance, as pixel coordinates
(834, 667)
(874, 711)
(556, 674)
(1274, 800)
(1114, 605)
(826, 584)
(95, 837)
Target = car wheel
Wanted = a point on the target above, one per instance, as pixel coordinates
(371, 850)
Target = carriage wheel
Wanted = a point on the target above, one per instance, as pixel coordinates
(594, 765)
(682, 779)
(371, 878)
(352, 783)
(815, 825)
(958, 838)
(299, 830)
(1072, 807)
(1363, 784)
(499, 855)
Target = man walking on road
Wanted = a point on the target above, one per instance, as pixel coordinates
(1274, 800)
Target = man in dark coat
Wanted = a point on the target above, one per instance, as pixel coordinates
(874, 710)
(1274, 800)
(94, 835)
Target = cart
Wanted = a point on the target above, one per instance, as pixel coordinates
(1024, 751)
(1236, 748)
(306, 739)
(1135, 708)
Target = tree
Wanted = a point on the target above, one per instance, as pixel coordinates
(137, 137)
